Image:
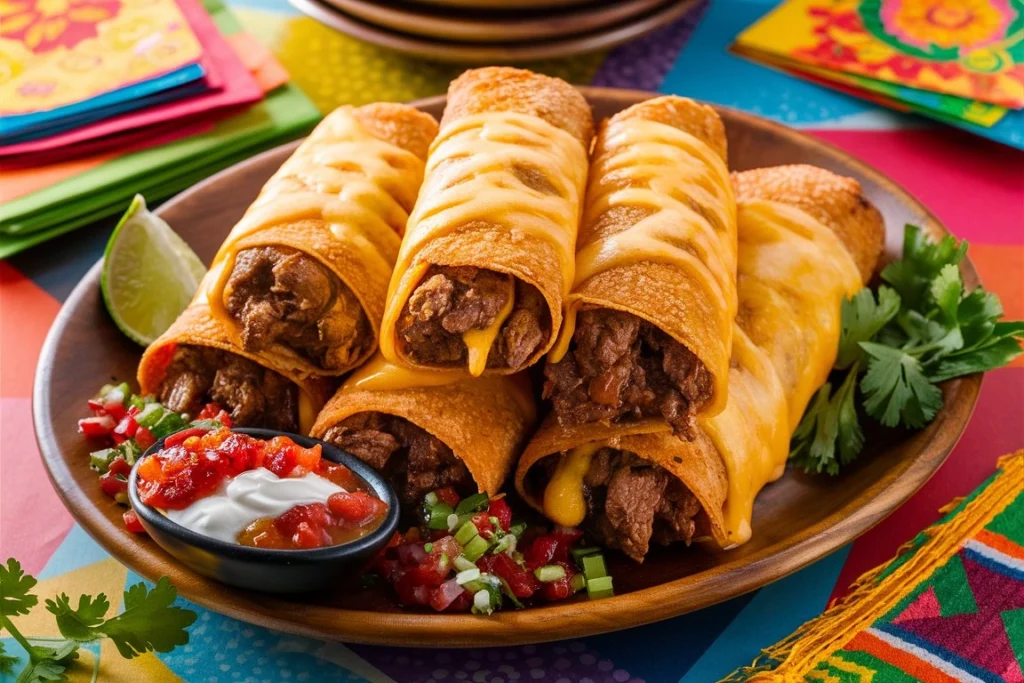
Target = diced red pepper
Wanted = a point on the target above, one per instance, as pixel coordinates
(132, 523)
(448, 496)
(98, 426)
(119, 466)
(112, 484)
(144, 438)
(500, 509)
(523, 583)
(540, 552)
(177, 438)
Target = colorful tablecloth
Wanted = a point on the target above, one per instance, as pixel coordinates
(975, 187)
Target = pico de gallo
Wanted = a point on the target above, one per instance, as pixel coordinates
(262, 493)
(468, 555)
(127, 424)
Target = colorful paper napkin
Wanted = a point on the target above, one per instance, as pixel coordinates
(160, 172)
(972, 49)
(949, 607)
(232, 85)
(80, 56)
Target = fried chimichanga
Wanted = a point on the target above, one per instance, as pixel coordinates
(487, 258)
(302, 279)
(648, 326)
(808, 239)
(426, 429)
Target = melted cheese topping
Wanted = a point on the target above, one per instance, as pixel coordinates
(308, 410)
(684, 188)
(478, 342)
(356, 188)
(471, 178)
(563, 497)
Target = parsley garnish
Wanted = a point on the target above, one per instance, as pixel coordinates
(896, 345)
(149, 621)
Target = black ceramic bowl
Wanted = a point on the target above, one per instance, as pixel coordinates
(277, 571)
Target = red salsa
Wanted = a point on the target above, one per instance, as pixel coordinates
(196, 462)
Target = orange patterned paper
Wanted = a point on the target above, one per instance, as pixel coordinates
(59, 52)
(968, 48)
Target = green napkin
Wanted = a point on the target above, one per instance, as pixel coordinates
(159, 172)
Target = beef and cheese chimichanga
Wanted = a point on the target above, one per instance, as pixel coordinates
(807, 240)
(487, 258)
(302, 279)
(426, 429)
(648, 327)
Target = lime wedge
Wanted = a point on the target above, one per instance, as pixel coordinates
(149, 274)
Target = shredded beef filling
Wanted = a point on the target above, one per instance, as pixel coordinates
(414, 461)
(282, 296)
(623, 367)
(452, 300)
(632, 501)
(255, 396)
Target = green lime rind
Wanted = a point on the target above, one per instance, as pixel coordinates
(149, 274)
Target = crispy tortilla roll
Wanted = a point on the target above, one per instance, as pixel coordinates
(487, 258)
(631, 484)
(427, 429)
(194, 363)
(648, 327)
(302, 279)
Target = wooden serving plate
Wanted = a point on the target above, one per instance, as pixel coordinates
(797, 520)
(482, 52)
(464, 25)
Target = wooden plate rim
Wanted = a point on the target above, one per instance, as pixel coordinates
(479, 53)
(528, 626)
(532, 26)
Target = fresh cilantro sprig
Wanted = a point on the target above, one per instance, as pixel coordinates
(897, 344)
(150, 621)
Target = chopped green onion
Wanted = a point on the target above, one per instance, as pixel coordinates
(507, 590)
(140, 402)
(437, 516)
(442, 562)
(462, 563)
(593, 567)
(506, 544)
(482, 602)
(428, 547)
(475, 548)
(600, 588)
(549, 573)
(100, 460)
(120, 393)
(150, 414)
(430, 500)
(453, 522)
(467, 575)
(496, 523)
(579, 553)
(474, 503)
(122, 498)
(578, 582)
(168, 424)
(129, 450)
(517, 529)
(206, 424)
(466, 533)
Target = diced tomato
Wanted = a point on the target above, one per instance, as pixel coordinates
(125, 429)
(500, 509)
(558, 590)
(306, 525)
(144, 438)
(178, 438)
(209, 412)
(540, 552)
(355, 508)
(95, 427)
(483, 524)
(445, 594)
(281, 456)
(411, 592)
(306, 536)
(112, 484)
(340, 475)
(306, 460)
(461, 603)
(119, 466)
(523, 583)
(132, 523)
(96, 407)
(448, 496)
(446, 545)
(114, 408)
(565, 537)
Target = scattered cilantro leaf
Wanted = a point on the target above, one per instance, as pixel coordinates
(922, 261)
(149, 621)
(812, 446)
(862, 318)
(7, 662)
(896, 389)
(79, 624)
(946, 290)
(998, 352)
(14, 589)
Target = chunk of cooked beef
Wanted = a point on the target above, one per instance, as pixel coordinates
(621, 367)
(452, 300)
(281, 296)
(632, 501)
(255, 396)
(413, 460)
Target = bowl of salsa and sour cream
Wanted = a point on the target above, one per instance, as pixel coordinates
(261, 509)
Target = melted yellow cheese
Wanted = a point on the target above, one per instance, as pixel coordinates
(478, 342)
(563, 497)
(307, 412)
(684, 188)
(356, 189)
(471, 178)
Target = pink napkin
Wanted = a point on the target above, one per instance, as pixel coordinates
(234, 86)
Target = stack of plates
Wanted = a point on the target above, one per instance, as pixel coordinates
(481, 31)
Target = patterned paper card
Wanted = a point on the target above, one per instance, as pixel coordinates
(972, 49)
(55, 53)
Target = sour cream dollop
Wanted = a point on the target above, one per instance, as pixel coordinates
(247, 497)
